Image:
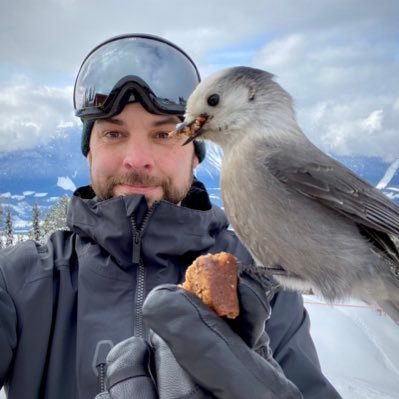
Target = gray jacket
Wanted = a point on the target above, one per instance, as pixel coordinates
(65, 304)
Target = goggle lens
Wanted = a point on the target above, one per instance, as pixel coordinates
(167, 72)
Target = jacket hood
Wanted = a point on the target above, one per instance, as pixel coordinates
(110, 224)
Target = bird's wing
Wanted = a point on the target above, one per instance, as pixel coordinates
(327, 181)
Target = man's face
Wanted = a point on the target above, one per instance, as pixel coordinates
(131, 153)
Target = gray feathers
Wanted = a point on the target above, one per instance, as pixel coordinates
(329, 182)
(291, 204)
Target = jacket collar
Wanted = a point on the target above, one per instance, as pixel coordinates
(169, 230)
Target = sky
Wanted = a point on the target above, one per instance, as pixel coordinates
(338, 59)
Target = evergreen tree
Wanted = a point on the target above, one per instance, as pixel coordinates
(60, 213)
(55, 219)
(35, 232)
(47, 226)
(9, 231)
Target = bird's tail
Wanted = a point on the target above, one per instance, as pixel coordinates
(391, 308)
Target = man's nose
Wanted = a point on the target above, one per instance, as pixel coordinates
(138, 154)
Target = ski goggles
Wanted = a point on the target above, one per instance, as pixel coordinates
(134, 67)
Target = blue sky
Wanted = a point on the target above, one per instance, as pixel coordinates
(338, 59)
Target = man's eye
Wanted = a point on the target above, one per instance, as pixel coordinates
(112, 134)
(162, 135)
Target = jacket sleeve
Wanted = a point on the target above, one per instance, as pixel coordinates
(293, 347)
(8, 334)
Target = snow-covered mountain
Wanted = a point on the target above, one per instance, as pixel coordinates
(390, 181)
(46, 173)
(381, 174)
(42, 175)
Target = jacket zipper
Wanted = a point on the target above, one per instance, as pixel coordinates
(101, 377)
(102, 350)
(138, 262)
(140, 288)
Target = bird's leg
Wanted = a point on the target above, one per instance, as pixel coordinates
(262, 275)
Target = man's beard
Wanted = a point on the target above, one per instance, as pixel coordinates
(170, 192)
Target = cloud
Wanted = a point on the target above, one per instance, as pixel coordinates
(32, 114)
(40, 195)
(66, 183)
(344, 87)
(64, 33)
(373, 122)
(281, 53)
(338, 60)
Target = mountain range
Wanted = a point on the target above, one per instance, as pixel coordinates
(46, 173)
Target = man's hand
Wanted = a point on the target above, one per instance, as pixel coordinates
(128, 371)
(228, 360)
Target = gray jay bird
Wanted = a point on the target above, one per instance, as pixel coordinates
(302, 214)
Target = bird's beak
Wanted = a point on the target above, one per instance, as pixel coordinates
(191, 128)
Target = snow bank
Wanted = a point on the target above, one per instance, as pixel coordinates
(358, 346)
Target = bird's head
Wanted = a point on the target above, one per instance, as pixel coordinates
(229, 103)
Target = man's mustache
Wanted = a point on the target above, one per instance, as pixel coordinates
(136, 178)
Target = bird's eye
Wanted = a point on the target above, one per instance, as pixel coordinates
(213, 100)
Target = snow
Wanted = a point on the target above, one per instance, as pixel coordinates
(358, 347)
(389, 174)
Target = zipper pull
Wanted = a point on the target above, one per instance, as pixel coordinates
(99, 363)
(136, 247)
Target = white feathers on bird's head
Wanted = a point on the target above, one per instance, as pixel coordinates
(235, 99)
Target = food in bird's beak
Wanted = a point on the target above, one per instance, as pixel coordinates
(213, 278)
(190, 129)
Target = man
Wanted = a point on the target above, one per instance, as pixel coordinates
(140, 224)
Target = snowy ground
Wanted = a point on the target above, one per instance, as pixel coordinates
(358, 348)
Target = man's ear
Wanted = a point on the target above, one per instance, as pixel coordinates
(195, 161)
(88, 158)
